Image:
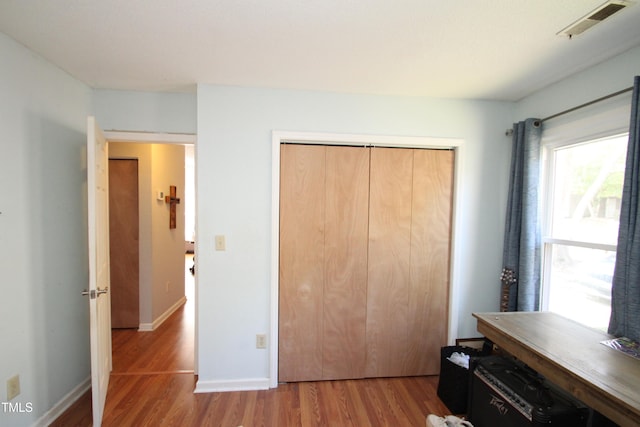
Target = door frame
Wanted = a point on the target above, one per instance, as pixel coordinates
(279, 137)
(165, 138)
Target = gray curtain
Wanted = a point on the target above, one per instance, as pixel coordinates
(625, 292)
(521, 253)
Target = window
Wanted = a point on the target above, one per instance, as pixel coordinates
(582, 208)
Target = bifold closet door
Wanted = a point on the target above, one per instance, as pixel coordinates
(324, 195)
(431, 212)
(389, 260)
(364, 261)
(302, 189)
(409, 235)
(346, 241)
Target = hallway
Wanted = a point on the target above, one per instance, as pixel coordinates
(169, 349)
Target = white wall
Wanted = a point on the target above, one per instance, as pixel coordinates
(167, 244)
(233, 158)
(189, 193)
(44, 324)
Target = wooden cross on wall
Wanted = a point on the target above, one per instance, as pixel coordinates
(172, 200)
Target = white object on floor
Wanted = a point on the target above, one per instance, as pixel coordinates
(459, 359)
(435, 421)
(447, 421)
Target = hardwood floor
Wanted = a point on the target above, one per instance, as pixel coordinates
(152, 384)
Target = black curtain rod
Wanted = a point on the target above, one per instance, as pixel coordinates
(509, 132)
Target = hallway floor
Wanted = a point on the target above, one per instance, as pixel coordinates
(168, 349)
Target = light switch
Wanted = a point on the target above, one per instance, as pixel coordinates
(220, 243)
(261, 341)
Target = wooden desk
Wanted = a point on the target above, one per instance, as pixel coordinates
(570, 355)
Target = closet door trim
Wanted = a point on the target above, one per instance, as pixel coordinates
(283, 137)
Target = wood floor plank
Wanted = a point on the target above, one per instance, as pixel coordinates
(77, 415)
(166, 398)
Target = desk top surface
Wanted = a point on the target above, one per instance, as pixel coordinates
(571, 347)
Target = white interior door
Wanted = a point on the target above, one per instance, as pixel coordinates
(99, 297)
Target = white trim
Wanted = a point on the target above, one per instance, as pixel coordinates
(580, 244)
(456, 243)
(232, 385)
(276, 140)
(602, 120)
(63, 404)
(366, 140)
(148, 327)
(279, 137)
(149, 137)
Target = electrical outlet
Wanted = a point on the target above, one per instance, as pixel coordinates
(261, 341)
(13, 387)
(220, 243)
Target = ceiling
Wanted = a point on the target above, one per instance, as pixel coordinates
(491, 49)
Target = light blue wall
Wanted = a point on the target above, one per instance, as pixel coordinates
(43, 262)
(234, 199)
(601, 80)
(145, 111)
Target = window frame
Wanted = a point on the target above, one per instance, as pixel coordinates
(604, 119)
(547, 242)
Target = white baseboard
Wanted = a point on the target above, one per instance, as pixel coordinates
(232, 385)
(58, 409)
(148, 327)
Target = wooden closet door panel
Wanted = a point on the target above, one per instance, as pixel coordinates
(430, 259)
(302, 189)
(346, 241)
(389, 254)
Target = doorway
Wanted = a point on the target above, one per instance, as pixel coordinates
(172, 314)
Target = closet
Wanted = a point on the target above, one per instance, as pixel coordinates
(364, 261)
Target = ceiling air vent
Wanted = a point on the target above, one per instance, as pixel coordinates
(594, 17)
